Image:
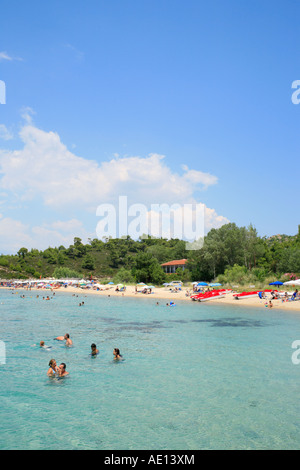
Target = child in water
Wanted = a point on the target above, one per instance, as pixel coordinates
(43, 346)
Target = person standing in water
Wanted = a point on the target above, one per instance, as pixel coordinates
(62, 370)
(117, 355)
(69, 342)
(53, 369)
(94, 349)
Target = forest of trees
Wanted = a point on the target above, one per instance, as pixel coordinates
(228, 254)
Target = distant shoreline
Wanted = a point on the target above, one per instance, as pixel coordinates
(163, 294)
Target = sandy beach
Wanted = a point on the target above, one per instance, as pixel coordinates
(162, 294)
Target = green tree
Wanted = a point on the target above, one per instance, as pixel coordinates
(88, 262)
(124, 276)
(254, 248)
(147, 269)
(22, 252)
(65, 273)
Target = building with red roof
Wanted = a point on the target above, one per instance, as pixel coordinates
(171, 266)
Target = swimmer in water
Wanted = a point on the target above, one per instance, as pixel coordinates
(94, 349)
(117, 355)
(66, 338)
(53, 369)
(62, 370)
(69, 342)
(42, 345)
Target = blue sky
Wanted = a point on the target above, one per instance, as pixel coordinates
(164, 101)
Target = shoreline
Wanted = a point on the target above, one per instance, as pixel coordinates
(163, 294)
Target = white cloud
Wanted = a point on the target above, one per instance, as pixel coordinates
(5, 56)
(27, 113)
(14, 234)
(198, 177)
(5, 134)
(58, 233)
(45, 170)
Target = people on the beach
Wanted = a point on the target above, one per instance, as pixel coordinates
(274, 295)
(94, 350)
(285, 297)
(295, 294)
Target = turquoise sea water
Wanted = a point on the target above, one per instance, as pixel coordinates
(194, 376)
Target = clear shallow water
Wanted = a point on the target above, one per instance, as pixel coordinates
(195, 376)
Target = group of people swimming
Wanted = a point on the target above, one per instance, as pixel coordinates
(60, 371)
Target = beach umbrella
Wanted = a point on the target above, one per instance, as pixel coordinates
(215, 284)
(276, 283)
(295, 282)
(110, 282)
(202, 284)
